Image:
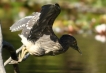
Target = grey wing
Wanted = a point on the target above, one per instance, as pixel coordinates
(26, 22)
(33, 21)
(20, 24)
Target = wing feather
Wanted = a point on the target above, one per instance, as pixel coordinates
(26, 22)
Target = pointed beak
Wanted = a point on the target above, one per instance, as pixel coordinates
(78, 50)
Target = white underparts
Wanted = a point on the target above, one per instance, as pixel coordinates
(33, 48)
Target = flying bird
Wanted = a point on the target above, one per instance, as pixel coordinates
(37, 34)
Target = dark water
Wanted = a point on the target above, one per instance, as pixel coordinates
(92, 60)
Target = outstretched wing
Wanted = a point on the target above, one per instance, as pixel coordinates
(26, 22)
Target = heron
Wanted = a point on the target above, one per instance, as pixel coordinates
(38, 36)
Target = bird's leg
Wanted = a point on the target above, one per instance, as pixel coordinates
(22, 54)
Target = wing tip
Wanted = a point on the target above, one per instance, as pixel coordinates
(12, 30)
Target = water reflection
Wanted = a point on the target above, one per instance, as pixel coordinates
(92, 60)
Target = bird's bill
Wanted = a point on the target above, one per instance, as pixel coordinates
(78, 50)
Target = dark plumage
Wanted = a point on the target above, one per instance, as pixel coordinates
(37, 34)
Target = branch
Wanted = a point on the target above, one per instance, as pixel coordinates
(2, 69)
(13, 54)
(9, 60)
(10, 48)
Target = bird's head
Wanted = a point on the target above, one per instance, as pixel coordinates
(70, 41)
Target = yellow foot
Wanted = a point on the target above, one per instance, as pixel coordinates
(22, 54)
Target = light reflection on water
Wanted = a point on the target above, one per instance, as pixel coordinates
(92, 60)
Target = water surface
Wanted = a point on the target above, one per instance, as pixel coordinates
(92, 60)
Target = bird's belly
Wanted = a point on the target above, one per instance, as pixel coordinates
(32, 48)
(35, 49)
(53, 50)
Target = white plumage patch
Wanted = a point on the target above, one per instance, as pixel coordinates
(33, 48)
